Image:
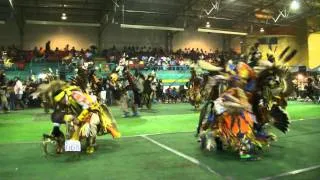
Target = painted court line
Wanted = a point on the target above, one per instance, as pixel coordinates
(302, 119)
(191, 159)
(294, 172)
(132, 136)
(154, 134)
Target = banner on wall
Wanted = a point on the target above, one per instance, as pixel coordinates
(314, 49)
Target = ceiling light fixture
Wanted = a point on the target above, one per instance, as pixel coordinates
(219, 18)
(11, 4)
(219, 31)
(131, 26)
(294, 5)
(59, 23)
(64, 16)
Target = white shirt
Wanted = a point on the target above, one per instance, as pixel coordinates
(18, 88)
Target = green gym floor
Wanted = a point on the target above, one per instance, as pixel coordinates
(160, 144)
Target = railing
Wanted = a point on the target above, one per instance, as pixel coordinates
(103, 69)
(171, 68)
(159, 68)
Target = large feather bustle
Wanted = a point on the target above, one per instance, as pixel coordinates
(280, 119)
(208, 66)
(49, 89)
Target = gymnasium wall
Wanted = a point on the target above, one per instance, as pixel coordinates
(295, 37)
(9, 34)
(79, 37)
(235, 44)
(83, 37)
(114, 35)
(283, 41)
(191, 39)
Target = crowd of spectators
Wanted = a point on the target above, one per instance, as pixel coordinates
(48, 54)
(15, 94)
(160, 59)
(155, 58)
(306, 88)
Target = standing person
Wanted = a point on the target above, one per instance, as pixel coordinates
(48, 48)
(311, 89)
(194, 89)
(174, 95)
(3, 89)
(182, 93)
(159, 91)
(103, 91)
(109, 95)
(66, 49)
(168, 94)
(130, 97)
(12, 96)
(18, 90)
(73, 51)
(149, 89)
(120, 93)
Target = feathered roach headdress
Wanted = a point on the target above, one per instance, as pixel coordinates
(275, 68)
(273, 85)
(81, 79)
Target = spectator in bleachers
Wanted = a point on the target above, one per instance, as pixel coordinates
(35, 51)
(174, 95)
(41, 52)
(56, 51)
(48, 47)
(66, 49)
(168, 94)
(182, 93)
(82, 52)
(73, 51)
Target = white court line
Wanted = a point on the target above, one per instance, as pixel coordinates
(102, 138)
(302, 119)
(294, 172)
(132, 136)
(154, 134)
(191, 159)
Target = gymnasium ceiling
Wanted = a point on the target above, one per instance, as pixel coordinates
(177, 13)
